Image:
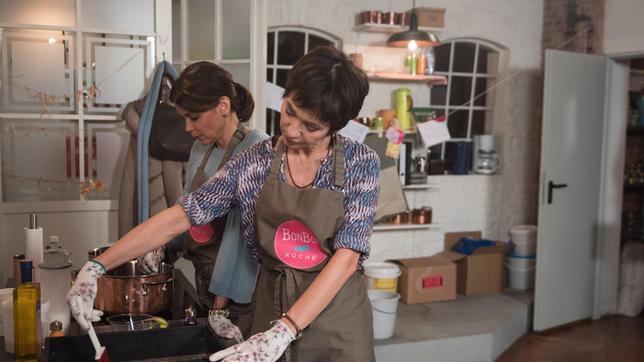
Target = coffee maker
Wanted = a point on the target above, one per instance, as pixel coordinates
(485, 160)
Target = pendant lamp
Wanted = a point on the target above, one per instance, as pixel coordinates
(419, 38)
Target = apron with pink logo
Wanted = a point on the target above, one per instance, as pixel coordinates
(204, 240)
(296, 229)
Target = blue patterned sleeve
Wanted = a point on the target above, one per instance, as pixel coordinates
(360, 198)
(215, 198)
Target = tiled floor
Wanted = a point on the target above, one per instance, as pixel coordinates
(610, 339)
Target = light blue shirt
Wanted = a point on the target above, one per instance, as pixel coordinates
(235, 272)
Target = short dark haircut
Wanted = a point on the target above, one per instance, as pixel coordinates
(201, 85)
(326, 83)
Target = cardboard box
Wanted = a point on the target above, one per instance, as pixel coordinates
(427, 279)
(430, 17)
(481, 272)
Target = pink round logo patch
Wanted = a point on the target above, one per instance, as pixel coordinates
(297, 246)
(201, 233)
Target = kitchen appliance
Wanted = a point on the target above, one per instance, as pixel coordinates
(404, 103)
(126, 289)
(486, 161)
(55, 280)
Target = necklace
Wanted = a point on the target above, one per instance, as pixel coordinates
(288, 167)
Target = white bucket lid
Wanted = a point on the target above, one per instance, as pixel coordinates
(382, 270)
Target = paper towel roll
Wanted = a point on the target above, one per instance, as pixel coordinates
(34, 249)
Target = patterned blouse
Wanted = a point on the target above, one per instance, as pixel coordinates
(240, 181)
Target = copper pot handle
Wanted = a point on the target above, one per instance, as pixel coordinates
(157, 282)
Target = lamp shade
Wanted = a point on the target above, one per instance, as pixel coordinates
(423, 39)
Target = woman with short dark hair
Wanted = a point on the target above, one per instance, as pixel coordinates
(308, 201)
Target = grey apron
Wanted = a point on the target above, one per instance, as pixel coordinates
(296, 229)
(204, 242)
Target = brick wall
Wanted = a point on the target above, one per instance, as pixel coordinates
(459, 203)
(574, 25)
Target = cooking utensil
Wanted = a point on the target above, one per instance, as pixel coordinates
(131, 322)
(101, 353)
(126, 289)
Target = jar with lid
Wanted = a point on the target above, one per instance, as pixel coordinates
(56, 329)
(422, 215)
(191, 317)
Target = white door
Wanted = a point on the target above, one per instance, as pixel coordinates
(571, 146)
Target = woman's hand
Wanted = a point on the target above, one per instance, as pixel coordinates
(262, 347)
(223, 327)
(83, 292)
(150, 260)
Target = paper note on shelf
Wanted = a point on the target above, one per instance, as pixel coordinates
(273, 96)
(434, 131)
(355, 131)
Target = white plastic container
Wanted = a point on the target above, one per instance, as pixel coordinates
(521, 279)
(524, 238)
(5, 294)
(384, 306)
(521, 262)
(7, 323)
(382, 276)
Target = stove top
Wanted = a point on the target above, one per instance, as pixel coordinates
(175, 343)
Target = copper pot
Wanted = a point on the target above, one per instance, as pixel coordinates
(399, 219)
(422, 215)
(126, 289)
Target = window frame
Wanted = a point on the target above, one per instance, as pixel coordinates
(274, 67)
(492, 77)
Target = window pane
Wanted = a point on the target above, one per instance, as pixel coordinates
(438, 95)
(442, 58)
(479, 93)
(482, 61)
(270, 47)
(176, 30)
(488, 61)
(269, 75)
(457, 124)
(464, 57)
(51, 175)
(235, 39)
(290, 47)
(201, 29)
(478, 122)
(316, 41)
(240, 73)
(272, 122)
(461, 91)
(282, 74)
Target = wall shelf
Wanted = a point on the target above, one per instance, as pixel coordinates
(391, 227)
(432, 79)
(389, 29)
(419, 187)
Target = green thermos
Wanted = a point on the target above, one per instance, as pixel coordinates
(402, 98)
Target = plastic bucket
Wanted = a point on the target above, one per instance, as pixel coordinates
(524, 238)
(521, 262)
(382, 276)
(521, 279)
(384, 306)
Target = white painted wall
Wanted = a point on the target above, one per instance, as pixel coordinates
(459, 202)
(622, 27)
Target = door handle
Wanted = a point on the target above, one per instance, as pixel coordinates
(552, 186)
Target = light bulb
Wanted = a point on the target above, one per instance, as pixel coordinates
(412, 45)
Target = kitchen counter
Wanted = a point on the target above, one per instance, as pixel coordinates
(184, 295)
